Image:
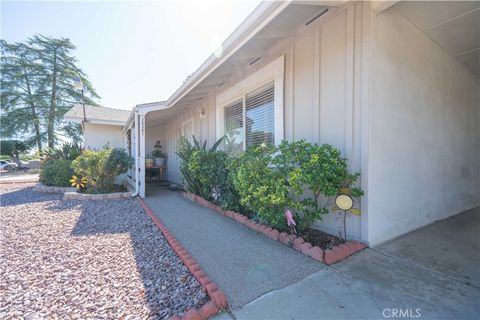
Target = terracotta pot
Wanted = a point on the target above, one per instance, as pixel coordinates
(148, 163)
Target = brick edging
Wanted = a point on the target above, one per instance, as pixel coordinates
(327, 257)
(217, 297)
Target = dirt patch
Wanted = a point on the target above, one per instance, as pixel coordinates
(321, 239)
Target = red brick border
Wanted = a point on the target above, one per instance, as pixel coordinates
(217, 297)
(327, 257)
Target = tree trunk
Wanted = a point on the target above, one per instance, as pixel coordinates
(36, 122)
(15, 157)
(51, 112)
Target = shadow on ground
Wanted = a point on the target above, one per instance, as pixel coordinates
(25, 195)
(168, 287)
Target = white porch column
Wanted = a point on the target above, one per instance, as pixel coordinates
(142, 156)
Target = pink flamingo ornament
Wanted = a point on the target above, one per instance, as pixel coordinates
(290, 221)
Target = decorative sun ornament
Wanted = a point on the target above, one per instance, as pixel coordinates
(344, 202)
(78, 182)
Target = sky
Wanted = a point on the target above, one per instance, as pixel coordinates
(132, 51)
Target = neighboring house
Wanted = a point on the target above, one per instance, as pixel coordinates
(394, 85)
(103, 126)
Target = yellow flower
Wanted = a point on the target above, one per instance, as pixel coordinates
(78, 182)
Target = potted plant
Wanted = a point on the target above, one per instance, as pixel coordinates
(158, 155)
(148, 160)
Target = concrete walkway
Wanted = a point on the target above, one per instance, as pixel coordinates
(243, 263)
(432, 272)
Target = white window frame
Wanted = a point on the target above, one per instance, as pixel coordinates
(272, 72)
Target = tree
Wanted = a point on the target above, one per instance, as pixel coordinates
(60, 70)
(37, 90)
(13, 148)
(20, 101)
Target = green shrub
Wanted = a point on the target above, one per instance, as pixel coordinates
(261, 187)
(205, 172)
(294, 175)
(185, 150)
(313, 172)
(56, 173)
(102, 167)
(210, 170)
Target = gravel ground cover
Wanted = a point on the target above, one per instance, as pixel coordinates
(87, 259)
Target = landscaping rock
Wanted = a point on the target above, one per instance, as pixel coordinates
(98, 259)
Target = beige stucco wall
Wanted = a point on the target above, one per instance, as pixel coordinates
(425, 137)
(96, 136)
(322, 72)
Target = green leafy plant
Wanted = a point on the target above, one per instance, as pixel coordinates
(157, 152)
(67, 151)
(185, 150)
(102, 167)
(56, 173)
(261, 186)
(210, 169)
(299, 176)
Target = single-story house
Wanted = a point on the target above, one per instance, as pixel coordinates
(101, 126)
(395, 85)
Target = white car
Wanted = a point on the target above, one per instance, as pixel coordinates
(5, 165)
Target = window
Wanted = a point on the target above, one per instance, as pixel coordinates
(259, 116)
(251, 112)
(234, 127)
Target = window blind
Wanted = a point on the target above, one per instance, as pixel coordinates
(259, 116)
(234, 129)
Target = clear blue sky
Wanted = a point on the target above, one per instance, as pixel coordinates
(132, 52)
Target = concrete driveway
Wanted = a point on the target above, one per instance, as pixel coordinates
(431, 273)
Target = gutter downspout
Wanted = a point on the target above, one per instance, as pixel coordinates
(137, 173)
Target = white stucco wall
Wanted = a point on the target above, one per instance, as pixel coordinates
(322, 75)
(96, 136)
(425, 138)
(152, 135)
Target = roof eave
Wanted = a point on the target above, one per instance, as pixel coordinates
(94, 121)
(261, 16)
